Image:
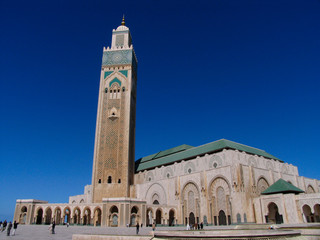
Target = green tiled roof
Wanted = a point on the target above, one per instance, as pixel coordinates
(166, 152)
(185, 152)
(282, 186)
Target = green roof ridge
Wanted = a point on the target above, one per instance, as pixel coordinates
(282, 186)
(166, 152)
(159, 159)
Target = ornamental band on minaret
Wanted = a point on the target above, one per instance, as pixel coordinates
(113, 165)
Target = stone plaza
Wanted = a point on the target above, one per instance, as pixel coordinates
(41, 232)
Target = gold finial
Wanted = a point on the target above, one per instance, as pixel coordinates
(123, 22)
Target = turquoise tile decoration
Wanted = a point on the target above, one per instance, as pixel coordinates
(106, 74)
(117, 57)
(115, 80)
(124, 72)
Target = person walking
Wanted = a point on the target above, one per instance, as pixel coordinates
(137, 228)
(9, 228)
(53, 226)
(15, 226)
(153, 226)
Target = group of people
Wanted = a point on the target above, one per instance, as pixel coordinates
(138, 227)
(195, 226)
(8, 226)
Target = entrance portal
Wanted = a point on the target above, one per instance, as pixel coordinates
(39, 216)
(222, 218)
(192, 219)
(171, 218)
(273, 214)
(158, 216)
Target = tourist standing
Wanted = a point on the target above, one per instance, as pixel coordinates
(4, 225)
(9, 228)
(15, 226)
(137, 228)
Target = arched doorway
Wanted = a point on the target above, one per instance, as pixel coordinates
(220, 205)
(67, 214)
(76, 216)
(222, 218)
(57, 215)
(39, 216)
(134, 216)
(48, 216)
(87, 216)
(307, 213)
(171, 218)
(273, 214)
(192, 219)
(97, 217)
(191, 202)
(23, 215)
(114, 216)
(158, 216)
(149, 217)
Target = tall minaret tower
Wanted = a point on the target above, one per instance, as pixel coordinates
(113, 164)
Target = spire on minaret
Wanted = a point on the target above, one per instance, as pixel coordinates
(123, 22)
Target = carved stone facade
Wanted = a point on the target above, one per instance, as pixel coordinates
(113, 164)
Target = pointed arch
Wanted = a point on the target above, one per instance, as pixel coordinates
(86, 216)
(191, 202)
(57, 215)
(156, 188)
(219, 201)
(48, 215)
(66, 214)
(39, 216)
(310, 189)
(97, 216)
(262, 184)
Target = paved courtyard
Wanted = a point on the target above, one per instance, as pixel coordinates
(41, 232)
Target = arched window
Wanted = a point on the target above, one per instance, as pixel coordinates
(134, 210)
(114, 209)
(109, 179)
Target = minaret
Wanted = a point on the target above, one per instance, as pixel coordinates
(113, 164)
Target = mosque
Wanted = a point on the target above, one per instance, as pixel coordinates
(219, 183)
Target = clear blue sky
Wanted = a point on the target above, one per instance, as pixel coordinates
(247, 71)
